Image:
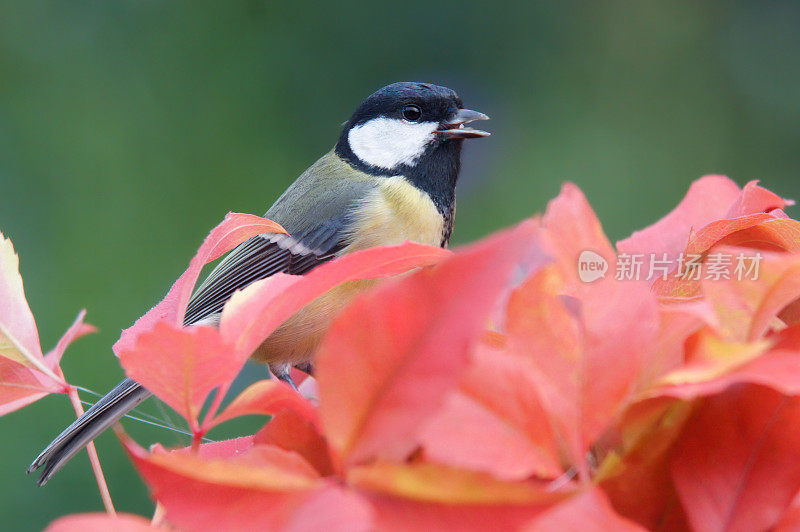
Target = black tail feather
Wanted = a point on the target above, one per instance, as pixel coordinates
(111, 408)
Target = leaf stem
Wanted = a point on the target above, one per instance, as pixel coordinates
(212, 410)
(93, 458)
(197, 438)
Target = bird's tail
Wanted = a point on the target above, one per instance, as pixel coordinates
(103, 414)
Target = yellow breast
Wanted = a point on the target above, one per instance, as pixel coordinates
(396, 211)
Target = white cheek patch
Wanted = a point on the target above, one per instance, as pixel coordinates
(389, 142)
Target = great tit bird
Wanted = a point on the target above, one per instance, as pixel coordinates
(390, 178)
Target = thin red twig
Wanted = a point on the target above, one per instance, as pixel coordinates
(93, 458)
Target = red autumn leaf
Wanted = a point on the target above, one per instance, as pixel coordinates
(494, 422)
(255, 312)
(25, 373)
(431, 497)
(101, 523)
(405, 343)
(180, 365)
(234, 229)
(791, 519)
(294, 432)
(587, 512)
(564, 364)
(257, 489)
(267, 397)
(736, 467)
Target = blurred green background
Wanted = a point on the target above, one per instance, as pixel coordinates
(129, 128)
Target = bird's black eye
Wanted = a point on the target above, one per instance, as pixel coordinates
(411, 113)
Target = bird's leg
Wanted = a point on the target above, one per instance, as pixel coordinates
(306, 367)
(281, 372)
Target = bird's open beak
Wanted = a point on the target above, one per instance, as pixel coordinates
(455, 127)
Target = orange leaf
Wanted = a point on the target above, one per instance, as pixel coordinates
(390, 359)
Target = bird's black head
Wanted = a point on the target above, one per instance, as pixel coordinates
(413, 130)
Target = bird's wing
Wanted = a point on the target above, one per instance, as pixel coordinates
(260, 257)
(316, 210)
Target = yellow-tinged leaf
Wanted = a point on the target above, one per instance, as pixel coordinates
(260, 467)
(19, 338)
(712, 357)
(434, 483)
